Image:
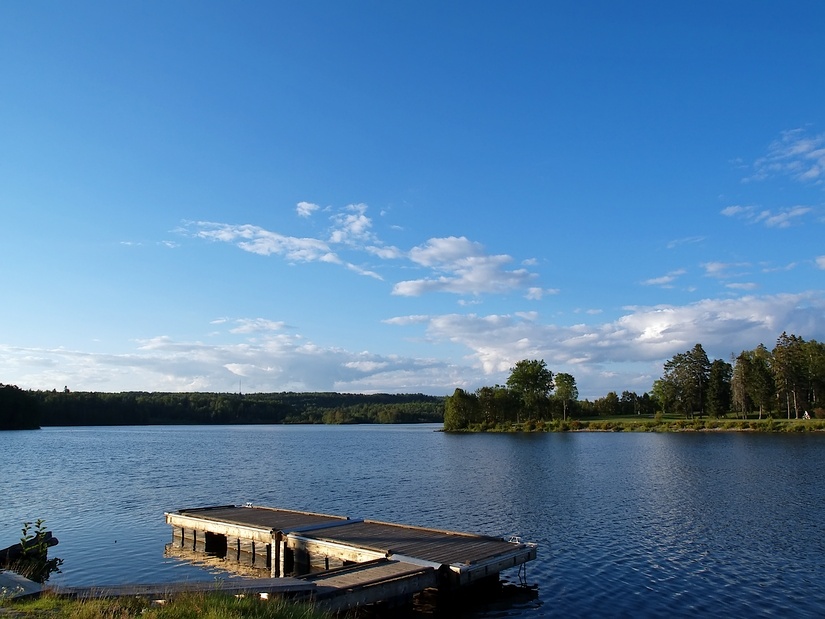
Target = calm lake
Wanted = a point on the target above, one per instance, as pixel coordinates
(678, 525)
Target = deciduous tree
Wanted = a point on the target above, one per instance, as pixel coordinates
(460, 411)
(531, 382)
(566, 391)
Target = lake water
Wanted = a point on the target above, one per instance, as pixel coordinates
(678, 525)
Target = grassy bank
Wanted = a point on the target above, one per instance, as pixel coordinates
(210, 606)
(636, 424)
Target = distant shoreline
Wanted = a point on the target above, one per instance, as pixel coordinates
(767, 426)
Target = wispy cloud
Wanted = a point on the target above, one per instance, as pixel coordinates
(454, 264)
(689, 240)
(723, 270)
(537, 294)
(783, 218)
(797, 154)
(664, 280)
(257, 240)
(820, 262)
(257, 325)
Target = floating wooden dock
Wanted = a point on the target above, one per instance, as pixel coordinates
(351, 562)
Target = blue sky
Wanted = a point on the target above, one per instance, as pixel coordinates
(404, 196)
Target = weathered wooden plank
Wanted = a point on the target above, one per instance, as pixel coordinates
(246, 531)
(377, 581)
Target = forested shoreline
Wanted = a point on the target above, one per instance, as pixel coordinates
(31, 409)
(787, 383)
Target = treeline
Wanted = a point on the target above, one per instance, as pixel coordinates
(66, 408)
(19, 410)
(787, 381)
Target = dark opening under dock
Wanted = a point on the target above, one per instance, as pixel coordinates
(352, 562)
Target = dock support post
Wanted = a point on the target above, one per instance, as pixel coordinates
(275, 568)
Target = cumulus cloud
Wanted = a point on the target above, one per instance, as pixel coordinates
(306, 209)
(632, 346)
(623, 353)
(271, 362)
(351, 226)
(461, 266)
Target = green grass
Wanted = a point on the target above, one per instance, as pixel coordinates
(661, 424)
(190, 606)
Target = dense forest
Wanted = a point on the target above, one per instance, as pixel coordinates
(66, 408)
(18, 409)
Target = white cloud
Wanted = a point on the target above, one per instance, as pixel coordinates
(257, 240)
(767, 268)
(625, 353)
(640, 340)
(351, 226)
(257, 325)
(742, 286)
(820, 262)
(306, 209)
(664, 280)
(456, 264)
(736, 209)
(690, 240)
(722, 270)
(784, 218)
(462, 267)
(795, 153)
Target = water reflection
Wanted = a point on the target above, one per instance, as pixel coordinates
(627, 524)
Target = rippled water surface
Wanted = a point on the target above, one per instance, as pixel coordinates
(631, 525)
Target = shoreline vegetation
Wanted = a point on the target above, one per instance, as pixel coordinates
(217, 605)
(779, 390)
(756, 391)
(22, 410)
(657, 424)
